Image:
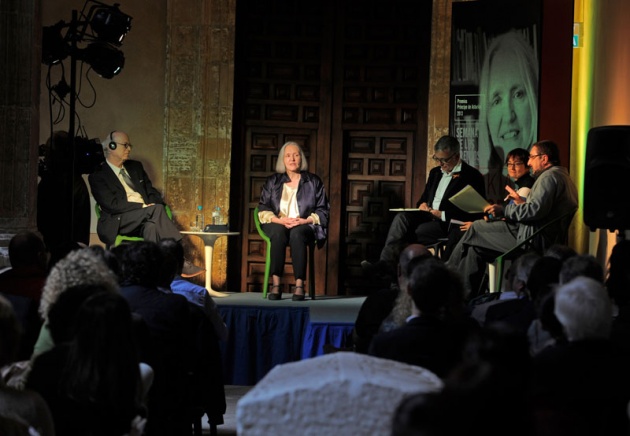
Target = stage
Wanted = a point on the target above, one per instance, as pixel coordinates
(263, 333)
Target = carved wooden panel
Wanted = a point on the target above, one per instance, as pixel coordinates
(378, 178)
(383, 72)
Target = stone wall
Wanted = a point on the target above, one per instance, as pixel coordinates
(19, 117)
(198, 115)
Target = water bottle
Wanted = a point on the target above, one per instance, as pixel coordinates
(216, 216)
(199, 219)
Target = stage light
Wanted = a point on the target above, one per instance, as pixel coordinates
(54, 48)
(105, 60)
(109, 24)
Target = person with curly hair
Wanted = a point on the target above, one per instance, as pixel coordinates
(79, 267)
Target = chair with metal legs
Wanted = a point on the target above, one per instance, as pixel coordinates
(438, 248)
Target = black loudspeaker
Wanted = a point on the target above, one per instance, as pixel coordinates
(606, 178)
(112, 144)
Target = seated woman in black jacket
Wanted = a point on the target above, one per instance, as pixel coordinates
(293, 211)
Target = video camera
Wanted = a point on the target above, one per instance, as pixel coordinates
(56, 156)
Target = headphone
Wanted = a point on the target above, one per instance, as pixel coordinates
(112, 144)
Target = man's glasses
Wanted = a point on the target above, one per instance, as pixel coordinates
(126, 145)
(513, 164)
(442, 161)
(531, 156)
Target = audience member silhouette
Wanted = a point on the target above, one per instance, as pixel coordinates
(174, 329)
(14, 427)
(29, 262)
(513, 307)
(25, 407)
(91, 378)
(109, 258)
(560, 251)
(63, 198)
(432, 338)
(22, 285)
(486, 394)
(618, 287)
(60, 251)
(378, 307)
(584, 265)
(582, 386)
(206, 385)
(618, 275)
(545, 329)
(80, 267)
(171, 280)
(402, 305)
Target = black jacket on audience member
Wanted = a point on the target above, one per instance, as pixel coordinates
(424, 341)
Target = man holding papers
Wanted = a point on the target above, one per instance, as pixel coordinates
(431, 221)
(552, 196)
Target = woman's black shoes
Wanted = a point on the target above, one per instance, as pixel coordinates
(275, 295)
(298, 297)
(278, 295)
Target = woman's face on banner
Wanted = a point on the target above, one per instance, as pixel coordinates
(509, 114)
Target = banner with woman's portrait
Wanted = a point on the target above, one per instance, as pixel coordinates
(495, 64)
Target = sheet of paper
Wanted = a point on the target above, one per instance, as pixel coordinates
(469, 200)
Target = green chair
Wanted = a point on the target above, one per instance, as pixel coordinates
(122, 238)
(311, 260)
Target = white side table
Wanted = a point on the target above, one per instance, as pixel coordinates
(209, 238)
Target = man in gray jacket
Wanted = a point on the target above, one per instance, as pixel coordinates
(553, 195)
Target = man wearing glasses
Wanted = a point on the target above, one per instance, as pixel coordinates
(552, 196)
(130, 205)
(447, 179)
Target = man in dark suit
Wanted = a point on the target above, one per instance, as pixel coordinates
(436, 211)
(130, 205)
(434, 335)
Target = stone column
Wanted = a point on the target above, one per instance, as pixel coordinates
(19, 117)
(198, 114)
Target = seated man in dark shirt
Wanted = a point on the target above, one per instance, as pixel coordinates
(379, 305)
(437, 329)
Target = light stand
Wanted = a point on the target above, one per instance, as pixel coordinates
(102, 28)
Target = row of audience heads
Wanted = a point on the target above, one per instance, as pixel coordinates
(87, 274)
(495, 372)
(433, 286)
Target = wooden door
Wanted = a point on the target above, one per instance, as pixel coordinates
(349, 81)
